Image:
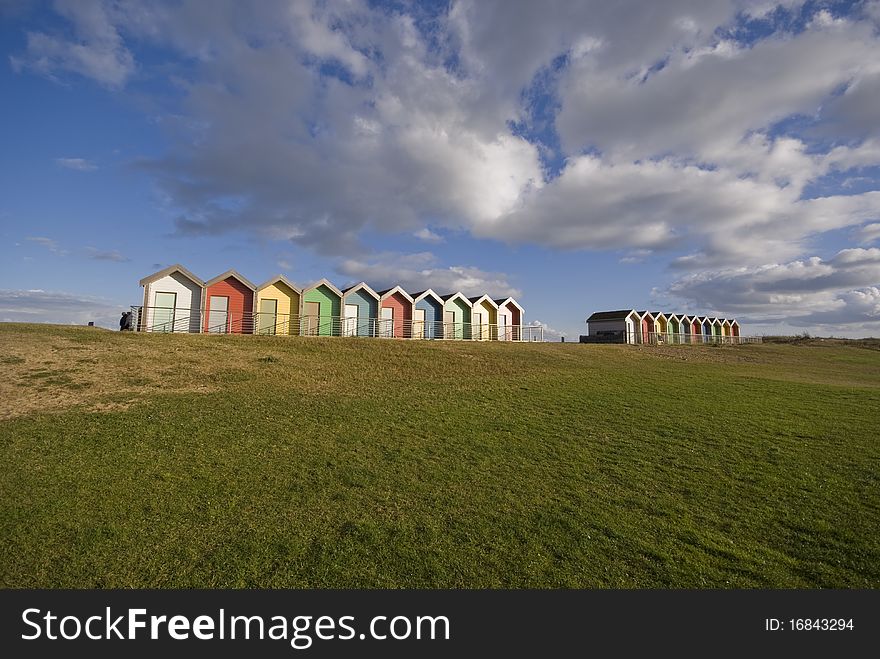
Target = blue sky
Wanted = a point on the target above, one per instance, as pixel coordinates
(720, 157)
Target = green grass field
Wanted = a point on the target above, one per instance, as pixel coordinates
(194, 461)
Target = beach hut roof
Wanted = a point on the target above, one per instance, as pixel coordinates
(509, 300)
(233, 274)
(362, 286)
(611, 315)
(426, 293)
(274, 280)
(388, 292)
(477, 300)
(449, 297)
(323, 282)
(149, 279)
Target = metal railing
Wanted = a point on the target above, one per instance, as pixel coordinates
(666, 338)
(163, 319)
(166, 319)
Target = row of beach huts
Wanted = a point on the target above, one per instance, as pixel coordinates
(176, 300)
(657, 327)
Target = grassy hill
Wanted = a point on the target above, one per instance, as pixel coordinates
(193, 461)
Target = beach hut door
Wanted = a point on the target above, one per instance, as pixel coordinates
(163, 314)
(502, 327)
(217, 319)
(449, 322)
(418, 330)
(387, 322)
(351, 320)
(312, 312)
(478, 325)
(268, 316)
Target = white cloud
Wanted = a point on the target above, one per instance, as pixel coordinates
(636, 256)
(423, 142)
(870, 233)
(49, 243)
(106, 255)
(94, 50)
(77, 164)
(872, 10)
(761, 8)
(92, 253)
(547, 334)
(506, 43)
(267, 140)
(302, 156)
(428, 236)
(702, 102)
(812, 292)
(38, 306)
(311, 25)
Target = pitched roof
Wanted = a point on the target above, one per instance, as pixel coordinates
(610, 315)
(452, 296)
(227, 275)
(426, 293)
(391, 291)
(502, 301)
(324, 282)
(363, 285)
(169, 270)
(275, 280)
(480, 298)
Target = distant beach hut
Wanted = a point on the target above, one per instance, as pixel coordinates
(395, 313)
(360, 310)
(622, 326)
(484, 318)
(696, 329)
(172, 301)
(673, 328)
(322, 305)
(229, 304)
(647, 326)
(278, 306)
(456, 316)
(706, 324)
(427, 315)
(686, 329)
(510, 319)
(661, 326)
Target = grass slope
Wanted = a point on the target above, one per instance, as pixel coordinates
(193, 461)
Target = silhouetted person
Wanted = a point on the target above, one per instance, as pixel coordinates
(125, 322)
